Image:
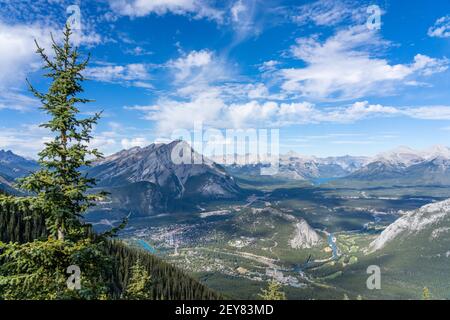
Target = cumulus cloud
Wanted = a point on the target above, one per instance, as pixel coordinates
(135, 74)
(18, 50)
(171, 115)
(190, 64)
(212, 110)
(345, 67)
(441, 28)
(18, 59)
(139, 8)
(198, 71)
(134, 142)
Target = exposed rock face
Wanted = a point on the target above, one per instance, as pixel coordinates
(149, 178)
(155, 164)
(304, 236)
(431, 220)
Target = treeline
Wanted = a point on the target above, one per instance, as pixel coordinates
(21, 224)
(167, 282)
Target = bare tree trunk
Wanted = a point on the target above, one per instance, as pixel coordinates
(60, 234)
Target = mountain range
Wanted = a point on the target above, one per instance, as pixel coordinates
(402, 165)
(148, 181)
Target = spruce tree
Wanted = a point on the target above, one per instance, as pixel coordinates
(273, 292)
(59, 193)
(59, 185)
(138, 287)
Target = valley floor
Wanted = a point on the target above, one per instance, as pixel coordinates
(236, 246)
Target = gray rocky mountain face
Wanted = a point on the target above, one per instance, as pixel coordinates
(150, 178)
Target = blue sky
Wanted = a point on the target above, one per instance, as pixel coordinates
(313, 69)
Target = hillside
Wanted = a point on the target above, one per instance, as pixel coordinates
(168, 283)
(418, 229)
(412, 253)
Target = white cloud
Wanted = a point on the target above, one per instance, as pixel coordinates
(138, 51)
(18, 51)
(429, 112)
(131, 74)
(18, 56)
(243, 20)
(26, 140)
(359, 110)
(13, 100)
(249, 18)
(88, 39)
(171, 115)
(237, 9)
(441, 28)
(345, 67)
(139, 8)
(191, 63)
(198, 71)
(268, 66)
(427, 66)
(328, 12)
(134, 142)
(258, 91)
(210, 109)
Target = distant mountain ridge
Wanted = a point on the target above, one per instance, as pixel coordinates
(401, 165)
(296, 166)
(13, 166)
(407, 166)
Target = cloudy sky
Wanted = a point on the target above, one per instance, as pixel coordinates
(325, 73)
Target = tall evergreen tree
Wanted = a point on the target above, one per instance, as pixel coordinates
(273, 292)
(59, 184)
(138, 287)
(59, 192)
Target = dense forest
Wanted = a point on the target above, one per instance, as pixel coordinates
(21, 225)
